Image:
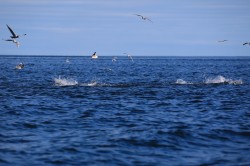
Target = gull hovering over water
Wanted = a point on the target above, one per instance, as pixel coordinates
(129, 56)
(143, 17)
(246, 43)
(222, 41)
(14, 35)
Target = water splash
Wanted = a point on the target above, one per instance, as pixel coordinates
(97, 84)
(94, 83)
(182, 82)
(65, 82)
(220, 80)
(212, 80)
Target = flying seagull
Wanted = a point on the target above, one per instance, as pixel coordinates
(129, 56)
(246, 43)
(222, 41)
(144, 18)
(14, 36)
(14, 41)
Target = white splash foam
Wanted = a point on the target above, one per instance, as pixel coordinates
(182, 82)
(65, 82)
(92, 83)
(220, 79)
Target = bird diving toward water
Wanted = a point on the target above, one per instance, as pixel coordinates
(144, 18)
(246, 43)
(14, 41)
(14, 36)
(129, 56)
(114, 59)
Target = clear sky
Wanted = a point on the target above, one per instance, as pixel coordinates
(110, 27)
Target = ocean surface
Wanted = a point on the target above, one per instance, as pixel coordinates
(149, 111)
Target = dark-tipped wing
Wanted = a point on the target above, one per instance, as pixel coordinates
(11, 31)
(8, 39)
(149, 19)
(222, 40)
(139, 15)
(245, 43)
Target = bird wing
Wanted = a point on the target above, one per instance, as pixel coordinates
(145, 18)
(149, 19)
(222, 40)
(8, 39)
(11, 31)
(139, 15)
(245, 43)
(131, 58)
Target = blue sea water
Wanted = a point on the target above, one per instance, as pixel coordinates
(153, 111)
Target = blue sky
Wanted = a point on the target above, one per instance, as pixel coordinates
(109, 27)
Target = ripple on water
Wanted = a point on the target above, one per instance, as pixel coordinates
(179, 111)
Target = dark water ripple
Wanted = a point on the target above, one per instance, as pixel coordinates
(155, 111)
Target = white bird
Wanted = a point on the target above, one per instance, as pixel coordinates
(129, 56)
(94, 56)
(143, 17)
(14, 36)
(20, 66)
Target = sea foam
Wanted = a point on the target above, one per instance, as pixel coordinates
(220, 79)
(65, 82)
(182, 82)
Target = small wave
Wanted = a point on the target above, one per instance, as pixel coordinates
(65, 82)
(182, 82)
(220, 79)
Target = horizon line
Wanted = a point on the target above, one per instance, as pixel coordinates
(120, 55)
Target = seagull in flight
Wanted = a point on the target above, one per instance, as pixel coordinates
(222, 41)
(246, 43)
(143, 17)
(129, 56)
(14, 41)
(14, 36)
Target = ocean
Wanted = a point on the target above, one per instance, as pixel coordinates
(149, 111)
